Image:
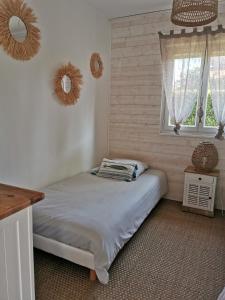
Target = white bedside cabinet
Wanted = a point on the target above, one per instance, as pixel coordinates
(200, 191)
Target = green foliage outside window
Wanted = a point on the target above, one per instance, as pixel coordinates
(191, 119)
(210, 119)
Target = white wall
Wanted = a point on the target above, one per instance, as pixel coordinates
(136, 100)
(41, 140)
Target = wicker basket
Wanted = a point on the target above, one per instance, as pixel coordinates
(205, 157)
(193, 13)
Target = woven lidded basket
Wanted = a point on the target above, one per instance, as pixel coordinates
(205, 157)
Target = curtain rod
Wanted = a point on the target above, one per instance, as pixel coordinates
(150, 12)
(183, 32)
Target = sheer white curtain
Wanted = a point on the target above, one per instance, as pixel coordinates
(182, 60)
(216, 53)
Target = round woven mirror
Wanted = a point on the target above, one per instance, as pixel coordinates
(18, 35)
(67, 82)
(96, 65)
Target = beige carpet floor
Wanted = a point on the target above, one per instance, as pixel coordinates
(174, 255)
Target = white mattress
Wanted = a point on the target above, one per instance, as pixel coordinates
(97, 214)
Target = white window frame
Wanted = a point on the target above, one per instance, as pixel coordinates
(199, 130)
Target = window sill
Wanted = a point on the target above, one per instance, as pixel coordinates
(189, 134)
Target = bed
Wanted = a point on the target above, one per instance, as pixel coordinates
(87, 219)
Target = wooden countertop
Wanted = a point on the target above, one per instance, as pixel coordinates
(14, 199)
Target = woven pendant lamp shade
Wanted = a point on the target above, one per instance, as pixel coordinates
(192, 13)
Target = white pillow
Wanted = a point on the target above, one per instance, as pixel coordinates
(222, 295)
(141, 166)
(94, 171)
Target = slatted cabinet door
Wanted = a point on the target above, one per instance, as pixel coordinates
(199, 191)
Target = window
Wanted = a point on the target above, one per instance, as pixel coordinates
(193, 66)
(193, 124)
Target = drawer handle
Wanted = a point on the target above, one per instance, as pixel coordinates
(210, 198)
(199, 178)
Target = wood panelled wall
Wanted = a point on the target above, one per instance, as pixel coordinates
(136, 102)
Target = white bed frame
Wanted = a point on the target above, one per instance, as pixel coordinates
(75, 255)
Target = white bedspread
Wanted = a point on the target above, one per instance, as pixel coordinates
(97, 214)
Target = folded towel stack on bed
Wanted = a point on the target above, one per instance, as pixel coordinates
(121, 169)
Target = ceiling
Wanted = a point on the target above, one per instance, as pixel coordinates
(121, 8)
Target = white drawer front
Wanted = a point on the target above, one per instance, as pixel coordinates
(200, 178)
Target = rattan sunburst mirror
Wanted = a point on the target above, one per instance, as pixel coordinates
(67, 84)
(18, 35)
(96, 65)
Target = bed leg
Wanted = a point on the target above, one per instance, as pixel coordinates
(93, 275)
